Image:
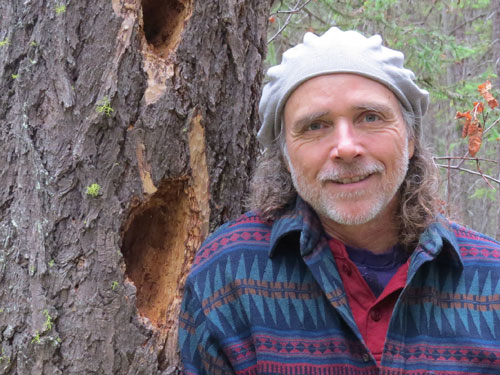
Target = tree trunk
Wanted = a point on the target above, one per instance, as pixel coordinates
(127, 132)
(495, 47)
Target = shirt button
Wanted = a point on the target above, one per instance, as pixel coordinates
(366, 357)
(346, 269)
(375, 315)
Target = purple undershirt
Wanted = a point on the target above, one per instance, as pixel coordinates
(377, 269)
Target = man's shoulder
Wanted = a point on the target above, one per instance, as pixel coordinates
(474, 244)
(247, 232)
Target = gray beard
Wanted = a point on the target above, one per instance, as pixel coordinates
(324, 204)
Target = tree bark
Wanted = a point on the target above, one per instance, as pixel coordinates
(128, 133)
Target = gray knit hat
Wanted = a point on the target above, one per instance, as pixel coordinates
(337, 51)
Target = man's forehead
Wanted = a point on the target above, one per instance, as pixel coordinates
(350, 91)
(347, 79)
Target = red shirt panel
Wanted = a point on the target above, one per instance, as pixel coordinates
(372, 314)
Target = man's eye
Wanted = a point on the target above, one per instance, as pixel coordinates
(315, 126)
(371, 117)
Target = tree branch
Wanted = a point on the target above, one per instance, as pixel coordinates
(468, 171)
(482, 175)
(466, 22)
(461, 157)
(290, 13)
(318, 18)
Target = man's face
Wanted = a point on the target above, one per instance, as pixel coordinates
(347, 147)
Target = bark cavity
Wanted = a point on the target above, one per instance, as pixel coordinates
(162, 233)
(163, 23)
(154, 233)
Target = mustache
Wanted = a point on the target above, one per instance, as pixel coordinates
(351, 170)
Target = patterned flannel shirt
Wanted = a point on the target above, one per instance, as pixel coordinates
(267, 298)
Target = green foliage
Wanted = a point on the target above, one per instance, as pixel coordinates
(36, 338)
(494, 135)
(47, 326)
(474, 4)
(104, 106)
(114, 285)
(3, 357)
(4, 42)
(60, 9)
(51, 263)
(93, 190)
(271, 58)
(15, 76)
(488, 193)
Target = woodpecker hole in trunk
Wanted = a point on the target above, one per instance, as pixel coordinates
(153, 247)
(164, 22)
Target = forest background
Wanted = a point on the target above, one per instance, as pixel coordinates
(452, 46)
(127, 133)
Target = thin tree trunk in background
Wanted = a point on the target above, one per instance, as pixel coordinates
(454, 206)
(127, 132)
(495, 47)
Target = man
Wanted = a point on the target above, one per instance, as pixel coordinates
(344, 265)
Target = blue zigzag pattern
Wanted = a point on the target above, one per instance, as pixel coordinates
(266, 297)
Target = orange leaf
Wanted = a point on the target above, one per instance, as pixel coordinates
(492, 103)
(484, 90)
(465, 129)
(478, 107)
(468, 118)
(465, 115)
(473, 126)
(272, 19)
(475, 139)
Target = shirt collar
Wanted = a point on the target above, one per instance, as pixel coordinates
(439, 240)
(303, 223)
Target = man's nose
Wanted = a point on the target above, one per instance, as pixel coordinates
(345, 142)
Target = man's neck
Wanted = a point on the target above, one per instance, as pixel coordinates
(378, 235)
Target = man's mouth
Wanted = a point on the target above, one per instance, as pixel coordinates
(351, 180)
